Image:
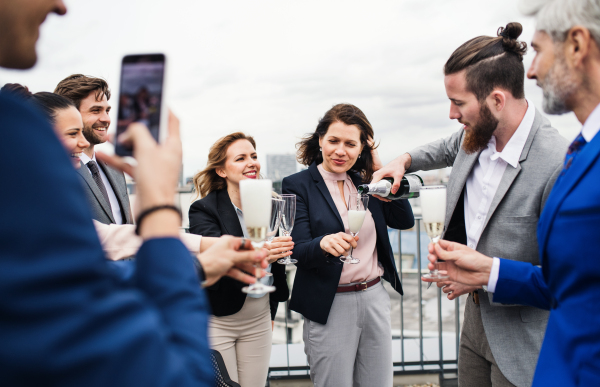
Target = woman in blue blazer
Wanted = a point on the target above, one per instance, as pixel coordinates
(347, 328)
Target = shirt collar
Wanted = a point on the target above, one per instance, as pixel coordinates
(237, 210)
(591, 125)
(86, 159)
(331, 175)
(513, 149)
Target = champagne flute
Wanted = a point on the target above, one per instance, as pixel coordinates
(433, 208)
(256, 205)
(357, 209)
(276, 205)
(288, 214)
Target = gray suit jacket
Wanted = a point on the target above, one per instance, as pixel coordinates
(515, 333)
(100, 207)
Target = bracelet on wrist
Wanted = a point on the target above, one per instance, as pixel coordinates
(150, 210)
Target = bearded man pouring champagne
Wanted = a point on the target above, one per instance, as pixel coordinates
(505, 160)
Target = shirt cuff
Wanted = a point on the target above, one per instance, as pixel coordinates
(494, 273)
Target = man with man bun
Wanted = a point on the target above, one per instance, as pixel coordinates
(567, 68)
(505, 160)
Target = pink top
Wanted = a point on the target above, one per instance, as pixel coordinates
(368, 267)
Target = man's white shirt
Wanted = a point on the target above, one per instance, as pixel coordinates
(484, 179)
(114, 203)
(589, 131)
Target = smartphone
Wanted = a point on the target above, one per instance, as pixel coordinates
(141, 97)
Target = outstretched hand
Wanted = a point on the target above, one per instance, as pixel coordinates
(455, 289)
(280, 247)
(462, 264)
(229, 257)
(394, 169)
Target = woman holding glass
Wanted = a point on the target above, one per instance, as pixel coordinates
(347, 326)
(241, 325)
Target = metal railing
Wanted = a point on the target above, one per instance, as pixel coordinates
(429, 359)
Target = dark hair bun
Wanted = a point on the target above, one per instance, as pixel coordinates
(16, 89)
(509, 35)
(511, 31)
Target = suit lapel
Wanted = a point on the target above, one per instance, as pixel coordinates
(563, 186)
(228, 215)
(510, 173)
(113, 178)
(85, 174)
(508, 177)
(463, 165)
(325, 191)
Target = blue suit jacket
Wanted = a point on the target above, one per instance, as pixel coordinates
(318, 276)
(568, 283)
(65, 320)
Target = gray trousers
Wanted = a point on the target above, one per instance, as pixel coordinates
(476, 364)
(354, 348)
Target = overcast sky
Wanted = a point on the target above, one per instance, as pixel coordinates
(273, 68)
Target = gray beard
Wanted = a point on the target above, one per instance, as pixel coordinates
(558, 85)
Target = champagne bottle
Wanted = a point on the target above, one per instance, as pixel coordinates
(409, 188)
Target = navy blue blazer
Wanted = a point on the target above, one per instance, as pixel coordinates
(568, 283)
(65, 320)
(318, 276)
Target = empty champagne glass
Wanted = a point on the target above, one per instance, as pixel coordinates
(256, 205)
(357, 210)
(288, 214)
(433, 208)
(276, 205)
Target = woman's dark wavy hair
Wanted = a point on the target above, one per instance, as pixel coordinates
(49, 103)
(308, 148)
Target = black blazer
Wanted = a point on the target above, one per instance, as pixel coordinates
(318, 276)
(214, 216)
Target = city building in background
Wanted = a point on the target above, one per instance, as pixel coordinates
(280, 166)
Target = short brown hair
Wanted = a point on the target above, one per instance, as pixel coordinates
(207, 180)
(492, 62)
(77, 87)
(308, 148)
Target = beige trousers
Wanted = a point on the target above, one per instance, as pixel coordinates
(476, 364)
(244, 341)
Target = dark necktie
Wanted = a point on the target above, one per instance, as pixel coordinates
(98, 179)
(574, 149)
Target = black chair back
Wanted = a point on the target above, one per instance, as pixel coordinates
(221, 375)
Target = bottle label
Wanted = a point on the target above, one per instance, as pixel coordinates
(413, 182)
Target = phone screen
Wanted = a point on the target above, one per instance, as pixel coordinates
(141, 95)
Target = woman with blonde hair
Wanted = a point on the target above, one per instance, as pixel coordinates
(241, 325)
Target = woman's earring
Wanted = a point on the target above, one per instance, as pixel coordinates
(320, 149)
(359, 156)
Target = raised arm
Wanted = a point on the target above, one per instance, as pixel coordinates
(119, 241)
(435, 155)
(66, 317)
(522, 283)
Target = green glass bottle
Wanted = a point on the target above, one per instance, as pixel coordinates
(409, 188)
